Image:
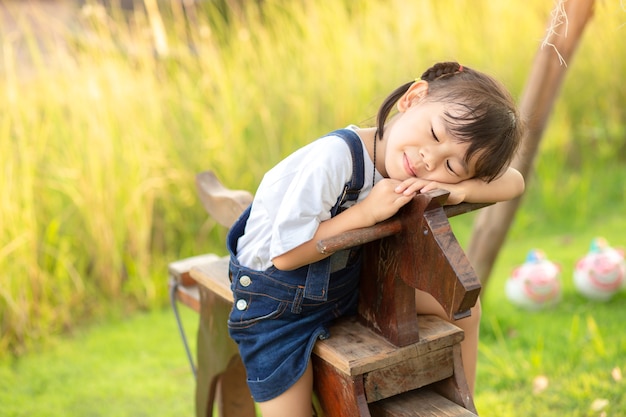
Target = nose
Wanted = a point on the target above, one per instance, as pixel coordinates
(427, 158)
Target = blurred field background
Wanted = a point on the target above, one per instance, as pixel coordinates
(107, 114)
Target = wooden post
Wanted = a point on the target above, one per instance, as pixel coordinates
(542, 87)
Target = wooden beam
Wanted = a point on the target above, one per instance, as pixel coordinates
(542, 88)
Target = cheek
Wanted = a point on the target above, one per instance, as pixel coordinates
(394, 165)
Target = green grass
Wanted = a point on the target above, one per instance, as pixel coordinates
(576, 345)
(125, 366)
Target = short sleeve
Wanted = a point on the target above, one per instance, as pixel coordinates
(310, 190)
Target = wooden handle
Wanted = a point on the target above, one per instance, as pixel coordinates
(463, 208)
(358, 237)
(381, 230)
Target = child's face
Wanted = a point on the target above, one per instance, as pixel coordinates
(419, 145)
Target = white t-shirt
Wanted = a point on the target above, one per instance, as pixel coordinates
(297, 195)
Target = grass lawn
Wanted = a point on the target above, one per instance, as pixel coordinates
(133, 366)
(562, 361)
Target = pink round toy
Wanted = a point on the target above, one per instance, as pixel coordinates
(600, 273)
(536, 283)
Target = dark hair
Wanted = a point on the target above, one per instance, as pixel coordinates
(488, 118)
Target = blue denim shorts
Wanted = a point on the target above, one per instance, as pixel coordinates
(276, 327)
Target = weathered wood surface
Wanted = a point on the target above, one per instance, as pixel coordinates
(354, 349)
(223, 204)
(214, 277)
(187, 291)
(419, 403)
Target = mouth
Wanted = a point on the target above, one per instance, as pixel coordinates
(407, 166)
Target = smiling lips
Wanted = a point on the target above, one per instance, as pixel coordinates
(407, 166)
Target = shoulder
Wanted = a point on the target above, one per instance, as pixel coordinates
(331, 147)
(329, 154)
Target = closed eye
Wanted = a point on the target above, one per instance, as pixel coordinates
(450, 168)
(433, 133)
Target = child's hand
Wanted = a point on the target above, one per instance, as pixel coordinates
(384, 201)
(411, 186)
(505, 187)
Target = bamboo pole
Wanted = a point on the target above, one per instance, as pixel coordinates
(565, 28)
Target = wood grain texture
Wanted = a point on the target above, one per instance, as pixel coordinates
(419, 403)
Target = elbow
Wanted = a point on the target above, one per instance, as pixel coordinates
(520, 185)
(522, 188)
(284, 263)
(280, 264)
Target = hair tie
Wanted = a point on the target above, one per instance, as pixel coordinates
(460, 68)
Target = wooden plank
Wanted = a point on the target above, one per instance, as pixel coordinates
(190, 296)
(388, 227)
(214, 276)
(354, 349)
(340, 395)
(357, 237)
(408, 375)
(418, 403)
(179, 270)
(456, 389)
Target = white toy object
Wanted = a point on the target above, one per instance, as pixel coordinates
(600, 273)
(535, 284)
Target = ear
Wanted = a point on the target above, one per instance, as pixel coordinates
(416, 92)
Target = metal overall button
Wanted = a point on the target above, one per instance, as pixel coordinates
(245, 281)
(241, 304)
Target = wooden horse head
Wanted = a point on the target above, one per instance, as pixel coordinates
(414, 249)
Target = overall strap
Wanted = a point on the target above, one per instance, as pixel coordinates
(318, 276)
(353, 187)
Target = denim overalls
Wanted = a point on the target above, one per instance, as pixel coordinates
(278, 315)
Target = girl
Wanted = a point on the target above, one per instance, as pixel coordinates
(455, 128)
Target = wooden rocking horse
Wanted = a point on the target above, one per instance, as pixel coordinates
(386, 361)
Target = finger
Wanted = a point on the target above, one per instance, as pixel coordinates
(400, 188)
(410, 186)
(429, 187)
(414, 188)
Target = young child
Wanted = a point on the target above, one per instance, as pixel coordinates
(455, 128)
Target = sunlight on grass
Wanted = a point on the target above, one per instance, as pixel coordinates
(126, 367)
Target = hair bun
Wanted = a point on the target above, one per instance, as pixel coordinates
(441, 69)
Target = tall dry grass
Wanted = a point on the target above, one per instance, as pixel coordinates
(101, 139)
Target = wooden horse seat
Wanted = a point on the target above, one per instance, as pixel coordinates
(386, 361)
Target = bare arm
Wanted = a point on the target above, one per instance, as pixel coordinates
(382, 203)
(506, 187)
